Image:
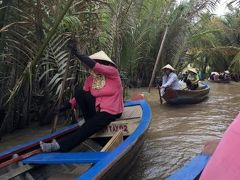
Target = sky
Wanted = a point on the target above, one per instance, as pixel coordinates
(221, 8)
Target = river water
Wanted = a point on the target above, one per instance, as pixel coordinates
(175, 135)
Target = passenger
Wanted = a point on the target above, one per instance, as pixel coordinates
(192, 79)
(100, 100)
(226, 75)
(169, 79)
(221, 76)
(213, 74)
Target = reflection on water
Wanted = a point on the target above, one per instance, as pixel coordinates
(177, 133)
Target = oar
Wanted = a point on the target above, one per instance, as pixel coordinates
(159, 91)
(18, 158)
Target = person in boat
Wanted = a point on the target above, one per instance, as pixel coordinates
(169, 79)
(213, 74)
(100, 100)
(192, 79)
(226, 75)
(221, 76)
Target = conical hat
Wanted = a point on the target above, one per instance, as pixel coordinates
(192, 70)
(227, 72)
(168, 66)
(101, 55)
(214, 73)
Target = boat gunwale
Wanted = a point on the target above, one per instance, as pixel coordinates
(192, 96)
(131, 140)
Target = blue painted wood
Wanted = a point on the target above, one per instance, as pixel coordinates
(191, 169)
(36, 141)
(65, 158)
(126, 144)
(113, 155)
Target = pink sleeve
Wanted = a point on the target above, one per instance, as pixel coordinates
(225, 161)
(106, 70)
(73, 103)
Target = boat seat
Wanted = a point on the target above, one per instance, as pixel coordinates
(192, 169)
(65, 158)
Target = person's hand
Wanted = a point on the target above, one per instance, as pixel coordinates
(72, 45)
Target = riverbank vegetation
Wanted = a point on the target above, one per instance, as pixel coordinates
(37, 71)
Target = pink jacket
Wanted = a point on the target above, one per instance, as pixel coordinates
(225, 161)
(110, 97)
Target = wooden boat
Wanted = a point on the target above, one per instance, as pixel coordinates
(106, 155)
(186, 96)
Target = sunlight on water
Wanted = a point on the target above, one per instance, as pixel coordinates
(177, 133)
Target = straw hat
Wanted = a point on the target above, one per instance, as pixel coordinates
(215, 73)
(101, 55)
(227, 72)
(168, 66)
(192, 70)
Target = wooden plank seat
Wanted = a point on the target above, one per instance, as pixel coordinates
(65, 158)
(113, 142)
(75, 157)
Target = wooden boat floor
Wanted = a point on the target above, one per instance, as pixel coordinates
(131, 112)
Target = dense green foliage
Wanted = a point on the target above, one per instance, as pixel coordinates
(33, 53)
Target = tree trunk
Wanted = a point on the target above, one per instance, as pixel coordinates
(158, 58)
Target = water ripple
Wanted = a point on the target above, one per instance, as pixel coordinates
(178, 133)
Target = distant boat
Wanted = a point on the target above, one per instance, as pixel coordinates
(186, 96)
(106, 155)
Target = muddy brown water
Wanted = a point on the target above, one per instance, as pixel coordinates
(178, 133)
(175, 135)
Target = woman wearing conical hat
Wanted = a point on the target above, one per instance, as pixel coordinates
(192, 79)
(169, 79)
(100, 100)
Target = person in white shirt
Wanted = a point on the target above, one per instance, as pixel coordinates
(169, 79)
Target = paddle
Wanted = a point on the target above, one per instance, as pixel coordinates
(18, 158)
(159, 91)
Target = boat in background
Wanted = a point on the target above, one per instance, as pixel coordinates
(106, 155)
(186, 96)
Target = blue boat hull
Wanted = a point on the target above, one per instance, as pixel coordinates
(110, 165)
